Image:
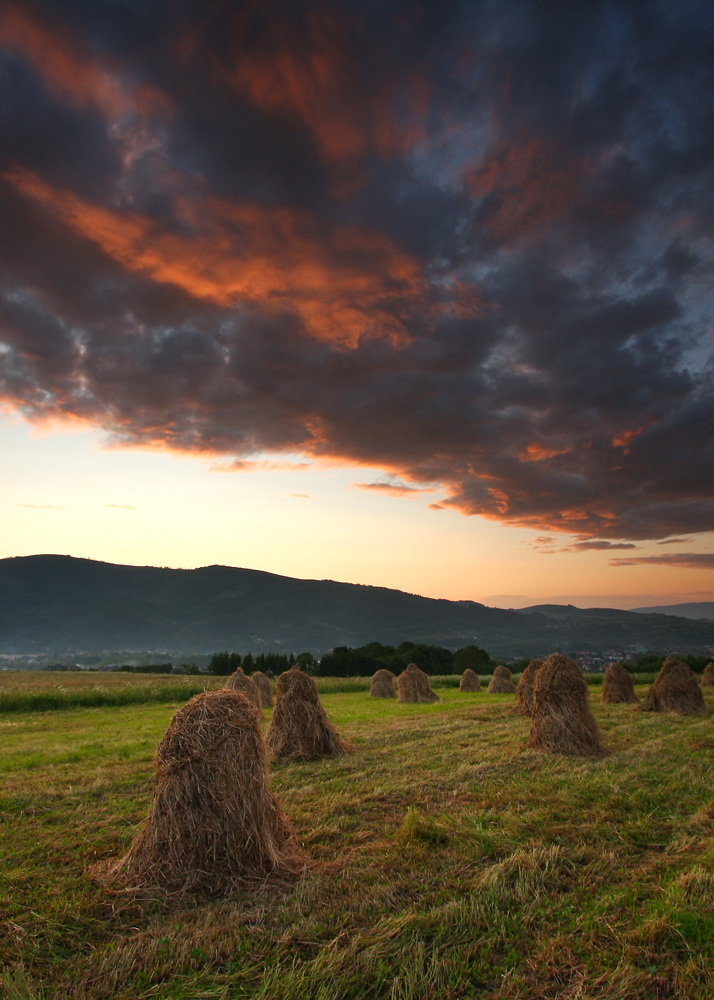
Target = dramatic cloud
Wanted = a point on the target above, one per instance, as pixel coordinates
(467, 244)
(683, 560)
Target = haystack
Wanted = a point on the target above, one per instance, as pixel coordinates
(524, 691)
(470, 681)
(299, 728)
(617, 686)
(382, 685)
(262, 682)
(245, 685)
(501, 682)
(213, 824)
(708, 675)
(414, 687)
(562, 722)
(675, 690)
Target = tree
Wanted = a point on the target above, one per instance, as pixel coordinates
(224, 663)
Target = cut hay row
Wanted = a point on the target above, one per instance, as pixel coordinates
(214, 825)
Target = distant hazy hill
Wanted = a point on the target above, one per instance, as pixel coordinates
(701, 609)
(61, 603)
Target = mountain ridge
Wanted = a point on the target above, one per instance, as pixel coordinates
(66, 603)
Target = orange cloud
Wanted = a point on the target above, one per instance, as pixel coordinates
(536, 452)
(344, 283)
(392, 489)
(70, 75)
(529, 185)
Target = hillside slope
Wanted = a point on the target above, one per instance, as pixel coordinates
(63, 603)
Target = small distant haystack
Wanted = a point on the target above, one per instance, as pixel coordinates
(708, 675)
(470, 681)
(245, 685)
(562, 722)
(262, 682)
(414, 687)
(675, 690)
(524, 691)
(382, 685)
(213, 824)
(299, 728)
(501, 682)
(617, 686)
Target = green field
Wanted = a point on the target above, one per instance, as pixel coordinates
(447, 859)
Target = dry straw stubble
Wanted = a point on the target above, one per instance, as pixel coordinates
(382, 685)
(414, 687)
(299, 728)
(524, 691)
(617, 686)
(676, 689)
(502, 681)
(214, 824)
(562, 721)
(470, 681)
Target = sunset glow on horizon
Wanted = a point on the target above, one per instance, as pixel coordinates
(337, 291)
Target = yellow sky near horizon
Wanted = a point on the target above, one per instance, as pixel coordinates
(63, 492)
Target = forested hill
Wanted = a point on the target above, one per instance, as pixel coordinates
(62, 603)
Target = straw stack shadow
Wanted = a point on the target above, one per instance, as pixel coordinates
(524, 691)
(214, 825)
(618, 687)
(414, 687)
(243, 684)
(676, 689)
(562, 722)
(470, 681)
(382, 685)
(299, 728)
(502, 681)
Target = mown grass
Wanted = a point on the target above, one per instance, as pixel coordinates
(448, 861)
(36, 691)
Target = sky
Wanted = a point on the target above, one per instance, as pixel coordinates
(401, 293)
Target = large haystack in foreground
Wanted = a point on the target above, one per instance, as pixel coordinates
(414, 687)
(502, 681)
(562, 722)
(262, 682)
(243, 684)
(382, 685)
(299, 728)
(708, 675)
(524, 691)
(617, 686)
(470, 681)
(675, 690)
(213, 824)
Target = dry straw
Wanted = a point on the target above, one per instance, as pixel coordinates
(214, 824)
(617, 686)
(414, 687)
(502, 681)
(299, 728)
(676, 689)
(708, 675)
(382, 685)
(262, 682)
(245, 685)
(562, 722)
(524, 691)
(470, 681)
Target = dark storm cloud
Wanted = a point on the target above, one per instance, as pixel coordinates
(468, 244)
